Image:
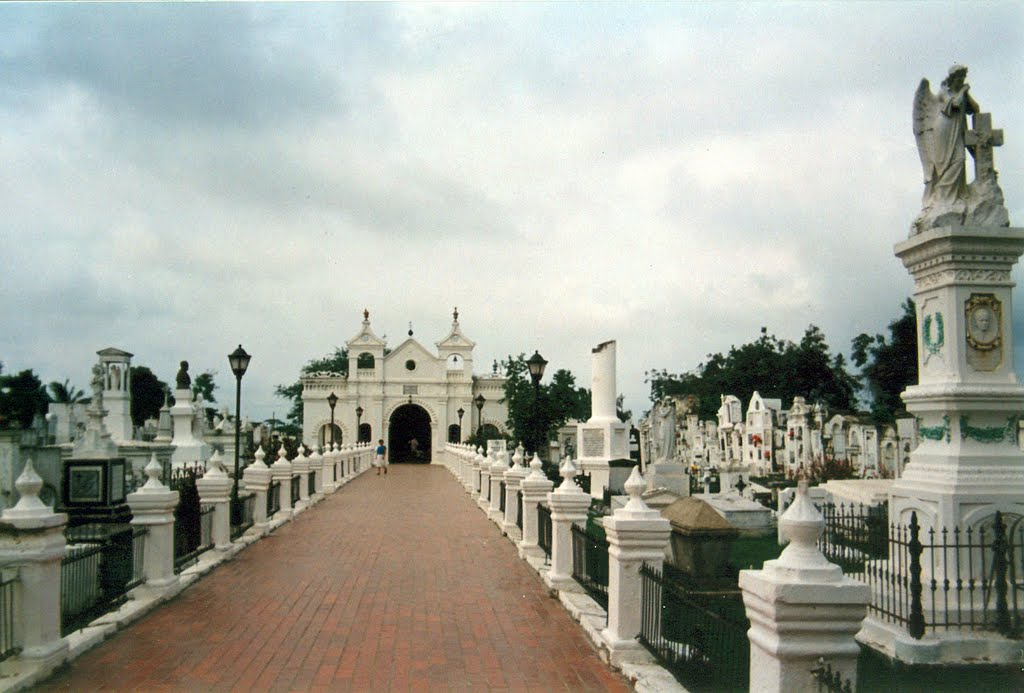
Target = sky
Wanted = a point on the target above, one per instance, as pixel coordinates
(179, 179)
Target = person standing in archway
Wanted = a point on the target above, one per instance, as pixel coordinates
(381, 462)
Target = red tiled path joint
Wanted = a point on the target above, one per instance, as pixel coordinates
(396, 582)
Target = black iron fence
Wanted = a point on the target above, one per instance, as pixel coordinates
(544, 529)
(519, 510)
(501, 496)
(192, 537)
(273, 498)
(8, 646)
(103, 562)
(248, 504)
(311, 483)
(296, 489)
(590, 564)
(934, 579)
(701, 637)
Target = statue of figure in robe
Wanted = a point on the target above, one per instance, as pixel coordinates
(943, 139)
(665, 429)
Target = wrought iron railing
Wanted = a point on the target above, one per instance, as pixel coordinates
(519, 510)
(273, 498)
(102, 563)
(8, 641)
(296, 489)
(590, 564)
(544, 530)
(936, 579)
(701, 637)
(501, 496)
(187, 545)
(248, 504)
(311, 482)
(81, 597)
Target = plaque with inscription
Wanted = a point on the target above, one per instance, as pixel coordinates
(592, 443)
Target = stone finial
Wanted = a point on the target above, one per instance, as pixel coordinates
(537, 468)
(517, 458)
(366, 315)
(801, 560)
(215, 465)
(282, 455)
(29, 484)
(634, 487)
(567, 472)
(154, 470)
(260, 456)
(455, 316)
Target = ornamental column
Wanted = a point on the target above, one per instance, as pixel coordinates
(498, 470)
(257, 477)
(316, 468)
(536, 487)
(603, 437)
(801, 607)
(153, 507)
(32, 546)
(215, 489)
(513, 482)
(281, 472)
(636, 535)
(569, 505)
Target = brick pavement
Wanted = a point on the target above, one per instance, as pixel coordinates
(396, 582)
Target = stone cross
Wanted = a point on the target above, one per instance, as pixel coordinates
(980, 140)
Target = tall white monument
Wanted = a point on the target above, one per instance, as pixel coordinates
(603, 437)
(968, 400)
(188, 449)
(117, 397)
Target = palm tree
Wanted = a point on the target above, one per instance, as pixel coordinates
(65, 393)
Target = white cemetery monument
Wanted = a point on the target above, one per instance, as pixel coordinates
(603, 437)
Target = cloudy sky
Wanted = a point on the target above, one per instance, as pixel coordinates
(181, 178)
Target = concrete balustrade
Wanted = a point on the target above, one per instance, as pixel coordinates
(257, 477)
(568, 505)
(300, 468)
(281, 472)
(536, 488)
(153, 507)
(513, 482)
(32, 546)
(215, 489)
(316, 468)
(497, 475)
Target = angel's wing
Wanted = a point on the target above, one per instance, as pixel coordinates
(926, 106)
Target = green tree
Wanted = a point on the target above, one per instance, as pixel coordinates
(534, 420)
(22, 397)
(148, 393)
(204, 385)
(65, 392)
(889, 366)
(336, 362)
(772, 366)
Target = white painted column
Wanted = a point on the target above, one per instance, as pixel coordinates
(485, 480)
(300, 467)
(153, 507)
(568, 505)
(32, 545)
(281, 472)
(215, 489)
(536, 487)
(316, 468)
(475, 473)
(498, 469)
(330, 465)
(801, 608)
(257, 478)
(636, 535)
(602, 384)
(513, 482)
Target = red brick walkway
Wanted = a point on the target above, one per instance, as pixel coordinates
(395, 582)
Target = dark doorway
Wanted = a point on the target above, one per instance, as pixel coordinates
(409, 435)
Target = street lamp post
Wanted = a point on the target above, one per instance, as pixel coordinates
(359, 425)
(479, 401)
(239, 361)
(460, 412)
(536, 364)
(332, 401)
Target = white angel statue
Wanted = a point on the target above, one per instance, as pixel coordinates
(940, 128)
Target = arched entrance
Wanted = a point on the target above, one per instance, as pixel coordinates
(409, 423)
